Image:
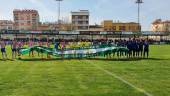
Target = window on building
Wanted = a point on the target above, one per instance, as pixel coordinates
(76, 17)
(22, 23)
(76, 22)
(84, 17)
(87, 22)
(28, 17)
(16, 18)
(34, 14)
(114, 28)
(29, 22)
(84, 27)
(16, 23)
(84, 22)
(22, 18)
(9, 28)
(87, 17)
(80, 17)
(122, 28)
(80, 22)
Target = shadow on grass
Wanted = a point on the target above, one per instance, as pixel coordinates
(7, 60)
(99, 59)
(127, 59)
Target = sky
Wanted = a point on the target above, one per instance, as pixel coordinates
(116, 10)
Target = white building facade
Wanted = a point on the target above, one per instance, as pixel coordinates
(80, 20)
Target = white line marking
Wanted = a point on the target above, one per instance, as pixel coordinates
(121, 79)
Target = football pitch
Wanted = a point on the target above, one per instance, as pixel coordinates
(88, 77)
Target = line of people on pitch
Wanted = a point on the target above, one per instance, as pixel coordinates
(16, 46)
(136, 47)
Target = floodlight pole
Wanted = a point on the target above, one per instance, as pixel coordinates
(59, 13)
(139, 2)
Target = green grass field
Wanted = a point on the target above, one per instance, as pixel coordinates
(148, 77)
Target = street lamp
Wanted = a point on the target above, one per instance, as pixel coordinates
(139, 2)
(59, 12)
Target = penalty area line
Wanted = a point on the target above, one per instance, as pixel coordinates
(121, 79)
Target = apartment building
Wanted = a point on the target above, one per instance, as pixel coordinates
(80, 20)
(26, 19)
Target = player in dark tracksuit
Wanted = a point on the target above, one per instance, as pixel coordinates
(146, 49)
(119, 45)
(141, 48)
(124, 45)
(134, 47)
(129, 46)
(56, 46)
(137, 48)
